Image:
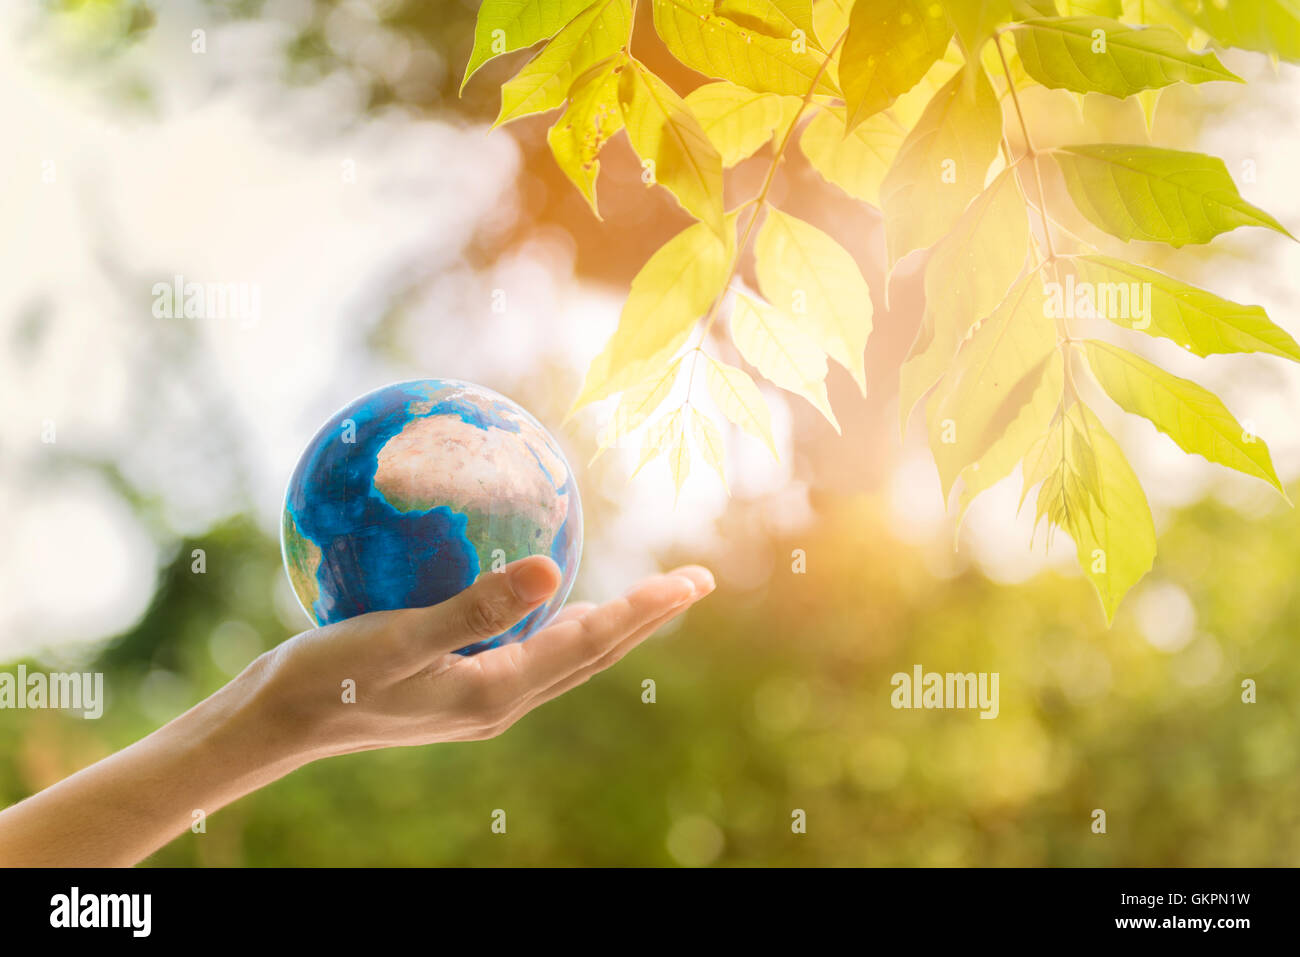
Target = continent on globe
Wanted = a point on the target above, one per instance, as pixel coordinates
(407, 494)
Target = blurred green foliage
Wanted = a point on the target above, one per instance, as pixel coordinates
(777, 697)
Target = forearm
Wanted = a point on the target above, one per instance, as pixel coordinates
(121, 809)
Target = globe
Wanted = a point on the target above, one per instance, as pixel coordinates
(408, 493)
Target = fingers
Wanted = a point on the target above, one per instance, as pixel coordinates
(562, 649)
(573, 610)
(495, 602)
(703, 586)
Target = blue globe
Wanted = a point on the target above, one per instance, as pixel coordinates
(405, 495)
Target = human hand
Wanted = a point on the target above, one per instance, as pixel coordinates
(292, 705)
(409, 686)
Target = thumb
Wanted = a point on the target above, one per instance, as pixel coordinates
(495, 602)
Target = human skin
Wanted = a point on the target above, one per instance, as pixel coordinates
(287, 708)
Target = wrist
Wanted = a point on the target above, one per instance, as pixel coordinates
(255, 722)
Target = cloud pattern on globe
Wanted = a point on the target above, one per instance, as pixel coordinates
(407, 494)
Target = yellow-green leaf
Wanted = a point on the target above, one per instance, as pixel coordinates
(1089, 8)
(994, 375)
(1031, 421)
(1156, 195)
(1266, 26)
(927, 360)
(679, 458)
(736, 120)
(506, 25)
(792, 111)
(1191, 415)
(813, 279)
(738, 398)
(942, 163)
(1099, 501)
(831, 18)
(775, 18)
(674, 288)
(658, 438)
(785, 354)
(718, 47)
(663, 132)
(1149, 100)
(636, 405)
(968, 274)
(1097, 55)
(890, 46)
(975, 21)
(856, 163)
(1062, 464)
(1160, 305)
(543, 84)
(709, 441)
(591, 119)
(1029, 9)
(909, 107)
(971, 269)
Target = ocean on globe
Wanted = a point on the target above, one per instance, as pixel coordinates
(405, 495)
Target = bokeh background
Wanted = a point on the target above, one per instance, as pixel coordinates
(320, 151)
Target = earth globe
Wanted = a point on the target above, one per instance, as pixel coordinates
(408, 493)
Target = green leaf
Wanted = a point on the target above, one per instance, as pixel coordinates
(709, 441)
(942, 163)
(1265, 26)
(784, 354)
(975, 21)
(664, 132)
(736, 120)
(995, 374)
(521, 24)
(1097, 55)
(856, 163)
(1197, 320)
(1156, 195)
(738, 398)
(591, 119)
(1093, 494)
(1192, 416)
(636, 405)
(775, 18)
(543, 84)
(675, 287)
(813, 279)
(721, 48)
(890, 46)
